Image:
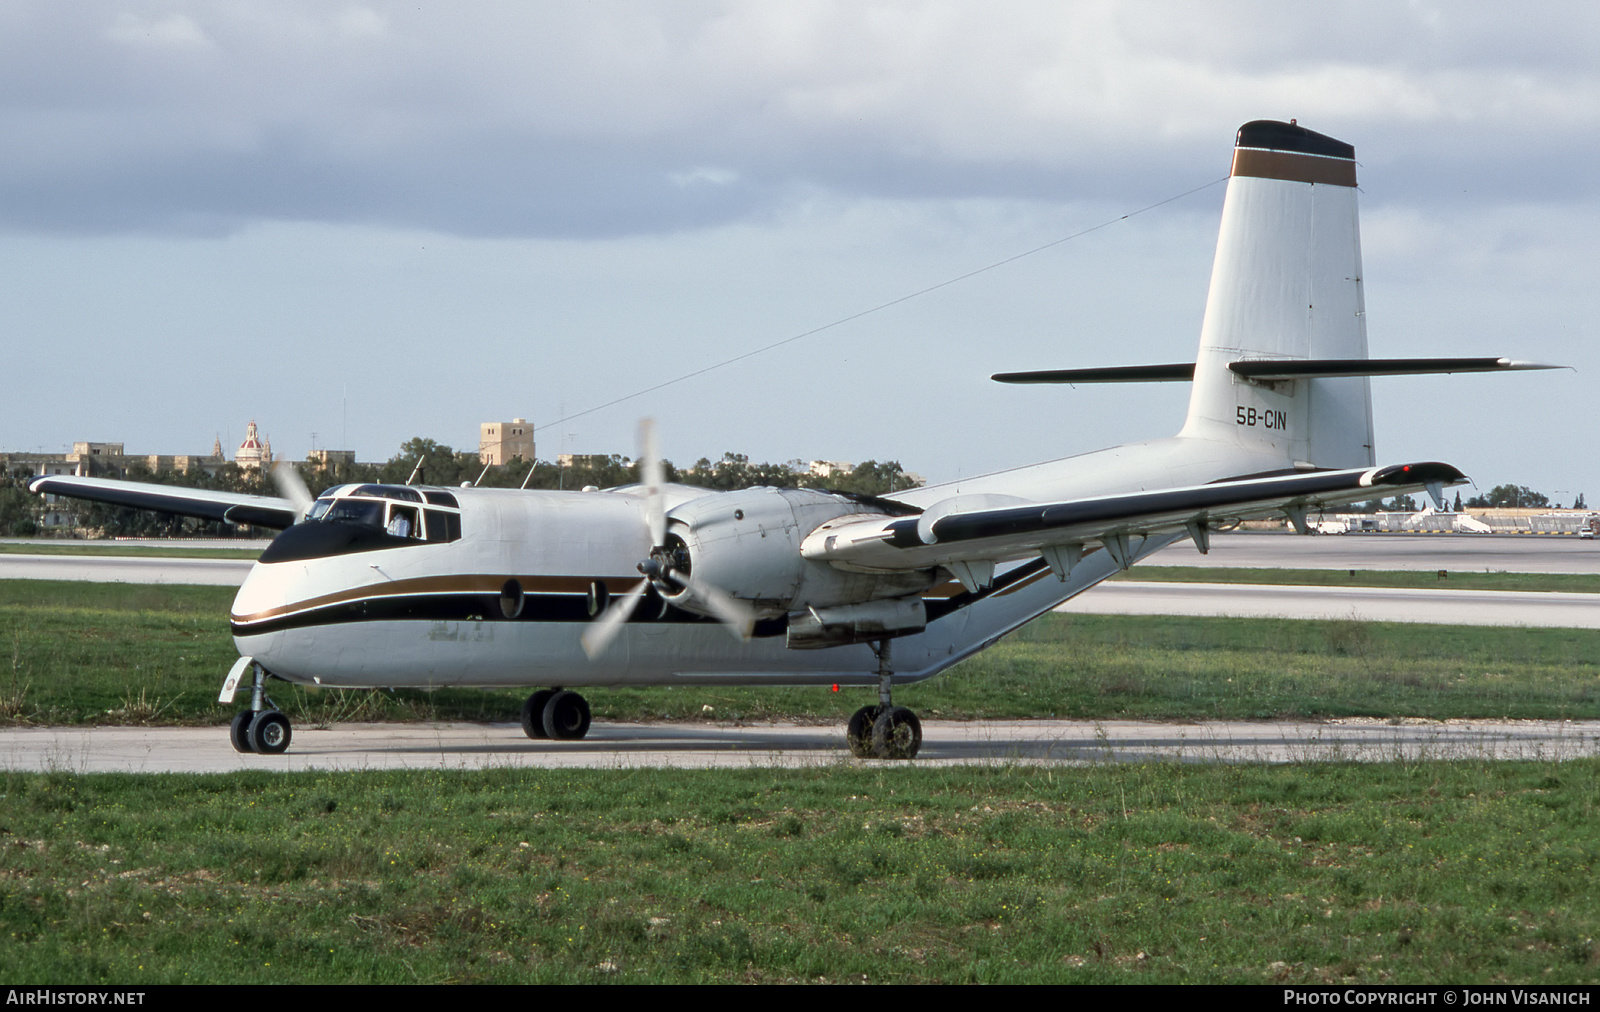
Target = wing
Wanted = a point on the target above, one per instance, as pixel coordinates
(230, 507)
(957, 537)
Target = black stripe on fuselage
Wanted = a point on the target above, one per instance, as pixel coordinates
(568, 608)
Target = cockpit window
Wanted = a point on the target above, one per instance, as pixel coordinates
(349, 505)
(367, 512)
(365, 518)
(403, 522)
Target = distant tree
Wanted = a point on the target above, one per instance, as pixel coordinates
(19, 508)
(873, 478)
(1579, 504)
(1457, 507)
(1515, 497)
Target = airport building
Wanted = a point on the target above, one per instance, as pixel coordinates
(499, 442)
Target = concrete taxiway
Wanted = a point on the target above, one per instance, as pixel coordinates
(693, 746)
(119, 569)
(1367, 604)
(1457, 553)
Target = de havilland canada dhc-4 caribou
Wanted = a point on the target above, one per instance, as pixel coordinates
(390, 586)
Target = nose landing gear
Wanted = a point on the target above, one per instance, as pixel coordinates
(262, 728)
(884, 731)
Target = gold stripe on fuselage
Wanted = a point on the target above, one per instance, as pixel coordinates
(483, 583)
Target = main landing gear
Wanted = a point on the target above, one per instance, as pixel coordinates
(884, 731)
(555, 713)
(262, 728)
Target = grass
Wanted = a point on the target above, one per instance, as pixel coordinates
(1473, 872)
(75, 653)
(1575, 583)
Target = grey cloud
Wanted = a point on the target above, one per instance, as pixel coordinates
(615, 118)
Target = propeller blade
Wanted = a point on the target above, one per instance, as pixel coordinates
(650, 476)
(738, 617)
(600, 634)
(292, 487)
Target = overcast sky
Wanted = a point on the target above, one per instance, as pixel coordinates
(375, 221)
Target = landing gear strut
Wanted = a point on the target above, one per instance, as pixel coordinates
(262, 728)
(555, 713)
(884, 731)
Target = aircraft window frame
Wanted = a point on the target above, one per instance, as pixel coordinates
(398, 492)
(433, 522)
(408, 512)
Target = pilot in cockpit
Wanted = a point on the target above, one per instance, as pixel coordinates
(402, 521)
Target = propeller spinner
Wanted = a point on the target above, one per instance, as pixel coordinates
(667, 566)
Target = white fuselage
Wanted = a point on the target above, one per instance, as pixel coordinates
(430, 614)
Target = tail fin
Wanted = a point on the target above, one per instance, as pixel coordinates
(1286, 284)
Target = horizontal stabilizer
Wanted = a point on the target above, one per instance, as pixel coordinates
(228, 507)
(1290, 369)
(1276, 369)
(1176, 372)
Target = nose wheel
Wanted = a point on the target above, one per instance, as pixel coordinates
(262, 729)
(884, 731)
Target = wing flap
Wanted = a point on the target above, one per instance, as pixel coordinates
(229, 507)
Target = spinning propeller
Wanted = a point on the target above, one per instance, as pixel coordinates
(667, 566)
(293, 488)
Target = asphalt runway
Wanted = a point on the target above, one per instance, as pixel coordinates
(1458, 553)
(785, 746)
(124, 569)
(1366, 604)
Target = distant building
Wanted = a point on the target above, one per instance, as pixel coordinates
(587, 459)
(254, 453)
(100, 460)
(829, 468)
(499, 442)
(331, 458)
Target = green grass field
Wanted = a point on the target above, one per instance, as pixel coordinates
(1385, 873)
(1398, 872)
(75, 653)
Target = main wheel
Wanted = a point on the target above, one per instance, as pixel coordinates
(566, 716)
(858, 733)
(896, 734)
(533, 714)
(239, 731)
(269, 732)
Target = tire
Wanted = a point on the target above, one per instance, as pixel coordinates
(858, 733)
(239, 731)
(566, 716)
(533, 714)
(270, 733)
(896, 734)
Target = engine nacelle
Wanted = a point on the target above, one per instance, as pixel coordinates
(747, 544)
